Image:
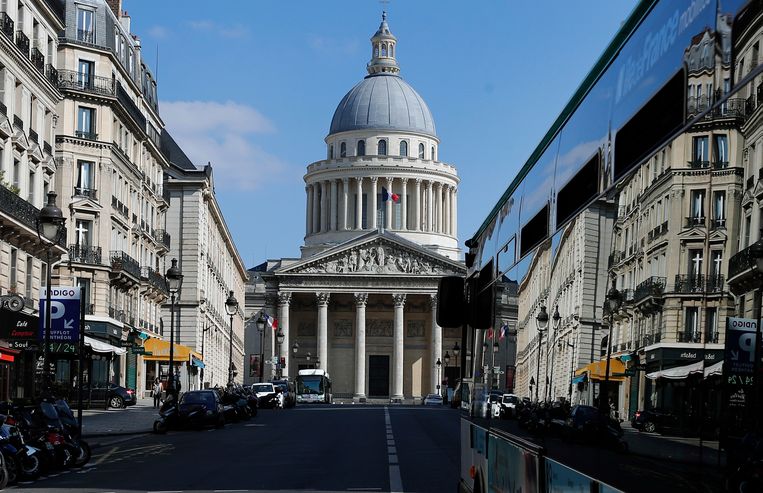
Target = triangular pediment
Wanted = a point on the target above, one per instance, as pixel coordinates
(5, 127)
(35, 153)
(376, 254)
(692, 234)
(85, 204)
(757, 191)
(718, 235)
(747, 199)
(20, 140)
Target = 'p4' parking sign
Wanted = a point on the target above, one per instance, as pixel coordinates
(64, 313)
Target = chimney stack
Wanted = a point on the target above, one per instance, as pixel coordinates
(116, 7)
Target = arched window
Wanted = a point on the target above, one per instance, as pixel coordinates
(342, 150)
(361, 148)
(376, 51)
(433, 158)
(381, 148)
(421, 151)
(403, 148)
(331, 151)
(392, 50)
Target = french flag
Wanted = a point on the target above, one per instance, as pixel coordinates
(272, 322)
(502, 333)
(386, 196)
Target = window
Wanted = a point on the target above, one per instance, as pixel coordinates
(403, 148)
(31, 185)
(711, 325)
(84, 177)
(695, 263)
(84, 286)
(86, 123)
(83, 232)
(719, 209)
(700, 155)
(691, 327)
(29, 272)
(747, 228)
(717, 264)
(85, 26)
(343, 149)
(421, 151)
(85, 74)
(432, 157)
(361, 148)
(331, 151)
(721, 150)
(381, 148)
(697, 207)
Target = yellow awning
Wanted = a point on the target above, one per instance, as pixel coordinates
(597, 370)
(160, 351)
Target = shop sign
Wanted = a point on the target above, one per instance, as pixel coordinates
(18, 326)
(140, 350)
(25, 345)
(739, 360)
(64, 313)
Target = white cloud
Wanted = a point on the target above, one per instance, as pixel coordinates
(158, 32)
(237, 31)
(224, 133)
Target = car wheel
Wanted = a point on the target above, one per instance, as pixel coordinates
(83, 454)
(116, 402)
(160, 427)
(649, 427)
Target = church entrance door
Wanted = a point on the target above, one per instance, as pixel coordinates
(378, 376)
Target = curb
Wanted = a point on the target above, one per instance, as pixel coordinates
(676, 460)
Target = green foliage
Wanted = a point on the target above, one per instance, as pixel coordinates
(12, 188)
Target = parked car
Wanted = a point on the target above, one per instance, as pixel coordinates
(288, 392)
(199, 408)
(509, 404)
(105, 394)
(433, 400)
(654, 420)
(267, 395)
(495, 404)
(587, 424)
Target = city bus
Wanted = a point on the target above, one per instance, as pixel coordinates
(313, 385)
(634, 222)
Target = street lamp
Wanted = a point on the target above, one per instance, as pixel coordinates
(174, 279)
(541, 321)
(295, 348)
(231, 307)
(260, 322)
(612, 303)
(438, 364)
(280, 336)
(556, 320)
(317, 363)
(50, 227)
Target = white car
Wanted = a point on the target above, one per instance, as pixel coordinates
(433, 400)
(495, 405)
(510, 403)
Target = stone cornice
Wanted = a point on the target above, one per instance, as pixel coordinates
(382, 163)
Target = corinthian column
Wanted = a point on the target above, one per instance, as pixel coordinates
(359, 205)
(309, 211)
(436, 350)
(284, 299)
(454, 217)
(388, 219)
(360, 347)
(374, 206)
(323, 329)
(397, 349)
(404, 205)
(417, 206)
(446, 211)
(324, 207)
(430, 203)
(345, 192)
(333, 207)
(316, 209)
(438, 210)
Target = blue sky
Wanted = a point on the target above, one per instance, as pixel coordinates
(251, 85)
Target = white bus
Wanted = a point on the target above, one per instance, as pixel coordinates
(313, 386)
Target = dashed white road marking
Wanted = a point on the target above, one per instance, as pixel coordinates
(395, 480)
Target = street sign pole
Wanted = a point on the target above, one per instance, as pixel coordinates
(81, 361)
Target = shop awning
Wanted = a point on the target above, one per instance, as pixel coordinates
(103, 347)
(578, 379)
(598, 369)
(197, 362)
(681, 372)
(716, 369)
(160, 351)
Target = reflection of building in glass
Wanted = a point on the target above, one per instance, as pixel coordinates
(506, 316)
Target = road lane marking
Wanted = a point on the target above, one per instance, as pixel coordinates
(363, 489)
(253, 424)
(395, 480)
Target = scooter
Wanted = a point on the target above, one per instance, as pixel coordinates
(72, 435)
(169, 416)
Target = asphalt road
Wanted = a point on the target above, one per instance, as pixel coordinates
(309, 448)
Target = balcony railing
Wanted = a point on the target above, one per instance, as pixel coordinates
(652, 287)
(154, 278)
(615, 257)
(627, 296)
(85, 254)
(712, 337)
(22, 42)
(719, 222)
(720, 164)
(715, 284)
(689, 336)
(86, 135)
(120, 261)
(163, 237)
(129, 106)
(38, 59)
(693, 221)
(699, 164)
(86, 36)
(90, 193)
(33, 136)
(689, 284)
(742, 262)
(78, 81)
(51, 74)
(22, 211)
(6, 25)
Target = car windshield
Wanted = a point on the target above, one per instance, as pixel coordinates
(510, 399)
(263, 387)
(310, 385)
(197, 398)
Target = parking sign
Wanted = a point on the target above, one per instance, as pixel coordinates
(64, 313)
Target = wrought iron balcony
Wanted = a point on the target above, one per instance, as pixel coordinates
(22, 42)
(689, 336)
(163, 238)
(38, 59)
(712, 337)
(86, 36)
(720, 164)
(652, 287)
(6, 25)
(719, 222)
(130, 107)
(86, 135)
(689, 284)
(85, 254)
(743, 269)
(90, 193)
(78, 81)
(22, 211)
(699, 164)
(616, 257)
(627, 296)
(155, 279)
(51, 74)
(120, 261)
(715, 284)
(693, 221)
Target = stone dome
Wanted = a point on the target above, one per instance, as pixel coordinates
(384, 101)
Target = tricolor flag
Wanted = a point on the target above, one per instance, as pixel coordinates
(490, 334)
(386, 196)
(272, 322)
(502, 333)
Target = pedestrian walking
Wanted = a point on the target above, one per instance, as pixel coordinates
(157, 392)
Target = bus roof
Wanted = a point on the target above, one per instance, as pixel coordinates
(316, 371)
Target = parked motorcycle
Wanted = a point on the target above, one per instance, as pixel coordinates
(169, 416)
(71, 433)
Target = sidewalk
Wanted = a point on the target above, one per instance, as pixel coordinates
(675, 449)
(132, 420)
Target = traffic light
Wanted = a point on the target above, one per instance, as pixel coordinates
(283, 361)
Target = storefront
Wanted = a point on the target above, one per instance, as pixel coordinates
(186, 361)
(18, 354)
(591, 376)
(106, 366)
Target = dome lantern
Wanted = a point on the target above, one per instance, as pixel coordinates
(383, 50)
